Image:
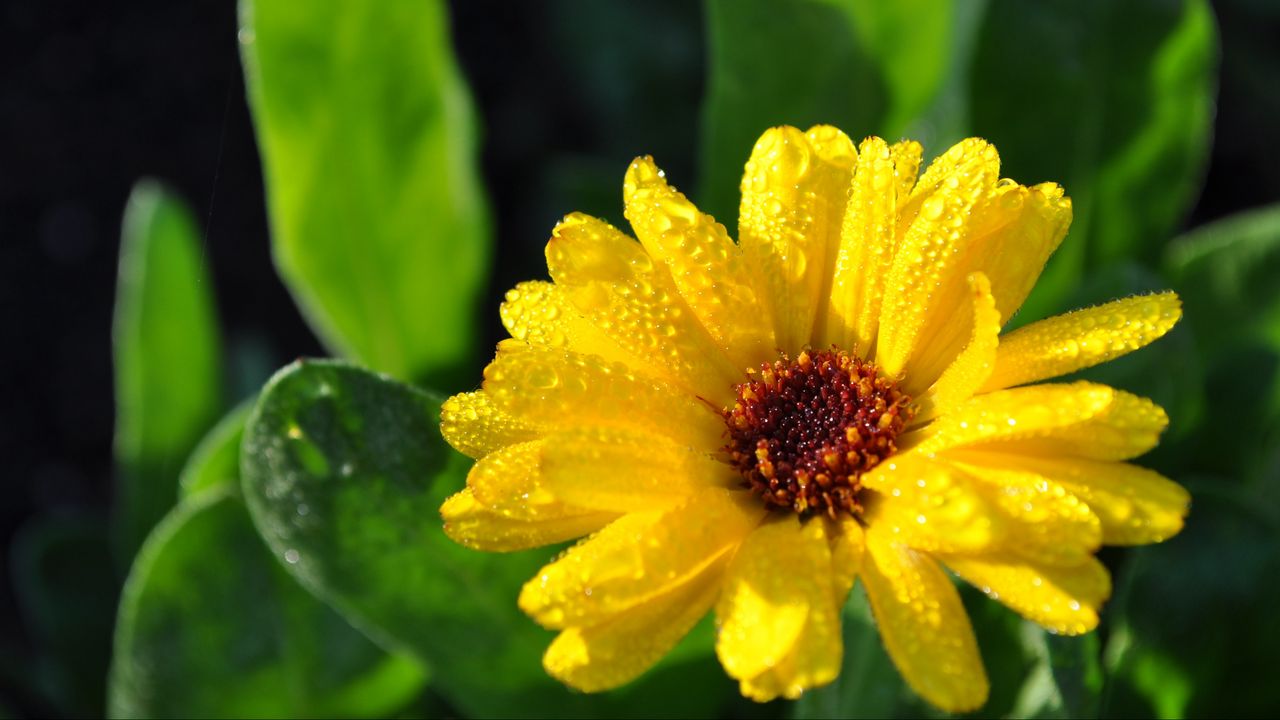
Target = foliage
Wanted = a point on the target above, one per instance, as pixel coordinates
(293, 562)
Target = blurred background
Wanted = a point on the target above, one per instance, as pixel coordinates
(96, 96)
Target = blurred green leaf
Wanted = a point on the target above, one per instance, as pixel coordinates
(1226, 273)
(66, 589)
(1193, 620)
(865, 67)
(167, 357)
(1014, 653)
(1077, 671)
(215, 463)
(344, 471)
(379, 222)
(1114, 101)
(211, 625)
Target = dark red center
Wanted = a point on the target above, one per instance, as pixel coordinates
(803, 431)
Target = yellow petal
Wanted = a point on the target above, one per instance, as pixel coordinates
(957, 221)
(474, 427)
(1038, 219)
(638, 557)
(929, 505)
(1047, 523)
(1082, 419)
(943, 507)
(868, 238)
(626, 471)
(847, 548)
(468, 522)
(923, 625)
(776, 607)
(925, 272)
(505, 505)
(507, 481)
(706, 265)
(813, 662)
(616, 285)
(963, 378)
(1080, 339)
(994, 222)
(1062, 599)
(538, 313)
(794, 191)
(547, 387)
(906, 156)
(810, 662)
(615, 652)
(1136, 506)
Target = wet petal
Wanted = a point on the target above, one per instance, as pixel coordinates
(906, 156)
(615, 652)
(1062, 599)
(626, 471)
(548, 387)
(706, 265)
(970, 370)
(776, 612)
(540, 314)
(942, 507)
(470, 523)
(926, 274)
(507, 481)
(1046, 522)
(957, 221)
(1081, 339)
(474, 427)
(847, 547)
(1014, 256)
(930, 506)
(1136, 506)
(794, 191)
(616, 285)
(639, 557)
(1082, 419)
(923, 625)
(868, 239)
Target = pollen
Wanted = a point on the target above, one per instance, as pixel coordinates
(802, 432)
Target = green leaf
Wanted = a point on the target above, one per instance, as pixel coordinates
(1114, 101)
(215, 463)
(379, 223)
(865, 67)
(1077, 670)
(1227, 270)
(167, 357)
(66, 589)
(1193, 619)
(344, 472)
(211, 625)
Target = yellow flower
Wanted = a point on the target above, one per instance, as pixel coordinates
(750, 427)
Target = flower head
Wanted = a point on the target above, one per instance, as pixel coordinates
(753, 427)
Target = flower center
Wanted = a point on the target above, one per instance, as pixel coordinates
(803, 431)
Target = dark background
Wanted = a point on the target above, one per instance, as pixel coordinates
(96, 95)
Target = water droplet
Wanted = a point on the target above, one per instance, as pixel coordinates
(291, 556)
